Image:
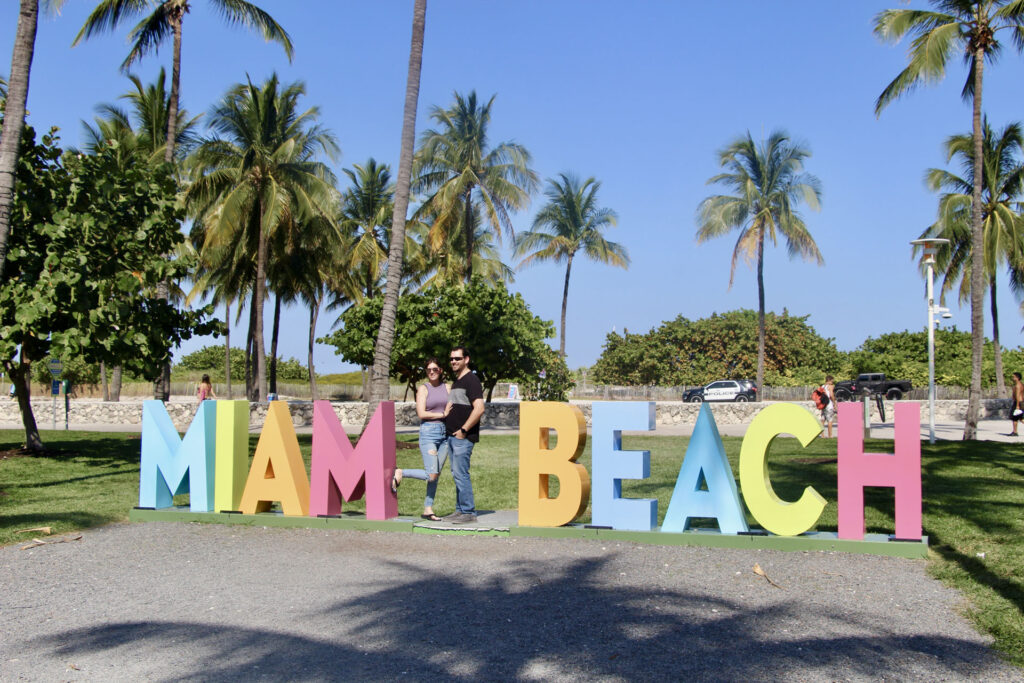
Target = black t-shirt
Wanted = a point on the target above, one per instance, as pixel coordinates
(464, 391)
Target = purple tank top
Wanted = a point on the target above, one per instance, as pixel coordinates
(437, 399)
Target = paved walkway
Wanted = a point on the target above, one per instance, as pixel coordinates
(171, 602)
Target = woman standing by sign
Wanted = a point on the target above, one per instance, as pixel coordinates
(431, 401)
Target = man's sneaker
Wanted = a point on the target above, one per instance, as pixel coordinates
(465, 518)
(450, 517)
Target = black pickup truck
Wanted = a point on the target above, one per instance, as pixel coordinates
(871, 384)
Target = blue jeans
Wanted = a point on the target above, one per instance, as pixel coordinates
(462, 450)
(434, 451)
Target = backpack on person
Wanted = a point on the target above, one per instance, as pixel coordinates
(820, 398)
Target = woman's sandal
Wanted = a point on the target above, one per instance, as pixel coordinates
(432, 517)
(396, 481)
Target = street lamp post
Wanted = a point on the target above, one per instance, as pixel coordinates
(930, 247)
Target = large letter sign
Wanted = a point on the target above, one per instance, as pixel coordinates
(277, 472)
(705, 462)
(611, 465)
(538, 462)
(172, 465)
(901, 471)
(232, 453)
(775, 514)
(340, 471)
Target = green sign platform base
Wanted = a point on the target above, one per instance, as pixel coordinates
(826, 541)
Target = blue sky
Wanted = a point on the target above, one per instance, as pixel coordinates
(640, 95)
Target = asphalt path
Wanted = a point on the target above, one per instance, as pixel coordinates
(172, 602)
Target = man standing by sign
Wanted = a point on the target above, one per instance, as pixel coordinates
(462, 424)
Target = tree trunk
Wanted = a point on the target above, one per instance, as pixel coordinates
(249, 391)
(760, 315)
(314, 313)
(259, 295)
(227, 346)
(273, 343)
(14, 117)
(172, 103)
(386, 334)
(115, 383)
(103, 381)
(977, 261)
(996, 350)
(468, 229)
(21, 377)
(565, 302)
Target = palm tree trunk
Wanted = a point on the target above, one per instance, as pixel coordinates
(103, 381)
(273, 343)
(248, 349)
(760, 315)
(162, 389)
(977, 261)
(386, 334)
(996, 350)
(14, 117)
(261, 286)
(314, 313)
(172, 104)
(565, 303)
(115, 383)
(227, 346)
(468, 221)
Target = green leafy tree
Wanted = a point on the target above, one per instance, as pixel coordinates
(694, 352)
(210, 360)
(505, 339)
(260, 178)
(1002, 184)
(366, 217)
(571, 223)
(966, 28)
(81, 284)
(461, 175)
(904, 355)
(768, 183)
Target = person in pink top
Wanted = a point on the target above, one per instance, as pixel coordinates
(205, 389)
(431, 401)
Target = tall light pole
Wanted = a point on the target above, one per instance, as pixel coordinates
(930, 247)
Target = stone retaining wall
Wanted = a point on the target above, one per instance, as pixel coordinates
(497, 415)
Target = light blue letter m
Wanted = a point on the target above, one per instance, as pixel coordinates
(172, 465)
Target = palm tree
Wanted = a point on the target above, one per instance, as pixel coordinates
(464, 176)
(571, 222)
(769, 183)
(3, 91)
(386, 335)
(967, 28)
(445, 264)
(259, 179)
(16, 95)
(1002, 184)
(166, 19)
(366, 217)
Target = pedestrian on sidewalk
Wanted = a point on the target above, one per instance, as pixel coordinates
(431, 401)
(1017, 404)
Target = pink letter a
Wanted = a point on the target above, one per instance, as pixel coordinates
(340, 471)
(901, 471)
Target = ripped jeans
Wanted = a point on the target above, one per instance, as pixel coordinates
(434, 449)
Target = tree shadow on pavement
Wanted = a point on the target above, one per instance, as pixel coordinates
(532, 620)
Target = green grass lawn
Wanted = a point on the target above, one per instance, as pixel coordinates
(973, 500)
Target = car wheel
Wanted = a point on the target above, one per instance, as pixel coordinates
(696, 399)
(843, 395)
(742, 399)
(894, 394)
